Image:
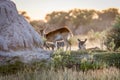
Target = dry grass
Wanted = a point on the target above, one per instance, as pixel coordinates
(104, 74)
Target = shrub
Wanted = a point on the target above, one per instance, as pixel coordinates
(61, 60)
(113, 36)
(22, 67)
(79, 60)
(112, 59)
(11, 68)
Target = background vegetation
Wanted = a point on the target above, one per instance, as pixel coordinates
(81, 21)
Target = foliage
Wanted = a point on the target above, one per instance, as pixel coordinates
(112, 59)
(110, 13)
(81, 17)
(24, 14)
(61, 60)
(57, 17)
(19, 67)
(86, 19)
(11, 68)
(92, 65)
(67, 74)
(75, 16)
(38, 23)
(113, 36)
(78, 60)
(39, 26)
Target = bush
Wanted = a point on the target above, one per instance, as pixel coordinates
(11, 68)
(22, 67)
(75, 60)
(92, 65)
(79, 60)
(113, 36)
(112, 59)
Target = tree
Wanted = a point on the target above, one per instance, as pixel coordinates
(108, 14)
(113, 36)
(24, 14)
(58, 18)
(76, 17)
(39, 25)
(86, 19)
(81, 17)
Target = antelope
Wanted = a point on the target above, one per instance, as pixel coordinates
(58, 36)
(81, 44)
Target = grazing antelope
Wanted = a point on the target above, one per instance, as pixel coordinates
(57, 35)
(81, 44)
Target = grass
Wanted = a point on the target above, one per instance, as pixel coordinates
(67, 66)
(112, 59)
(68, 74)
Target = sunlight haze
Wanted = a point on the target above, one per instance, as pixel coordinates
(37, 9)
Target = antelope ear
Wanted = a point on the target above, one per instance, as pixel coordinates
(78, 39)
(85, 39)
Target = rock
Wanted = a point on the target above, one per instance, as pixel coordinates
(25, 56)
(17, 36)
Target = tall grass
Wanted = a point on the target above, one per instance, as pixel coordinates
(68, 74)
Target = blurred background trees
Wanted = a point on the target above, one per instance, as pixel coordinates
(82, 21)
(24, 14)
